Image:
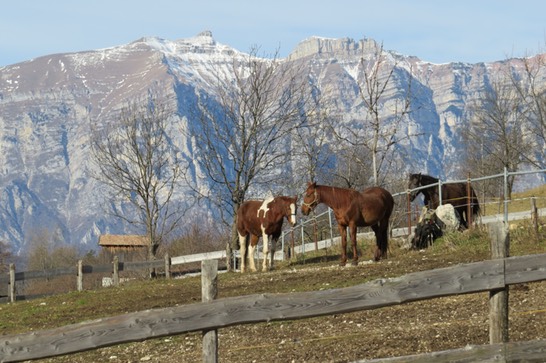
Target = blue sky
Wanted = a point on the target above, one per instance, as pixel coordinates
(433, 30)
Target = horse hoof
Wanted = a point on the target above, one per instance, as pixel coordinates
(342, 263)
(354, 263)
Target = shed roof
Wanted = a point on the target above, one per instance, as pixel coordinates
(120, 240)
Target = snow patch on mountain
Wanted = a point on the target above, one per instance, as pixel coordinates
(48, 104)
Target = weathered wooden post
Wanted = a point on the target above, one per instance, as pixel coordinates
(408, 199)
(293, 245)
(534, 214)
(469, 201)
(12, 297)
(80, 276)
(209, 292)
(230, 258)
(302, 243)
(115, 272)
(315, 232)
(498, 299)
(167, 266)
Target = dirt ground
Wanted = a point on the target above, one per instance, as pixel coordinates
(419, 327)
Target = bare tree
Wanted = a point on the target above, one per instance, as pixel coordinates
(242, 144)
(312, 146)
(46, 251)
(353, 166)
(6, 256)
(496, 137)
(528, 81)
(135, 160)
(385, 112)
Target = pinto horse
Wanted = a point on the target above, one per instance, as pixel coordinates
(453, 193)
(372, 207)
(263, 218)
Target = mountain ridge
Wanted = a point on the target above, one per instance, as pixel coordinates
(48, 103)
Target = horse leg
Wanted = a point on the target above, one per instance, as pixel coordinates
(273, 250)
(463, 218)
(381, 240)
(251, 248)
(242, 251)
(377, 232)
(265, 252)
(352, 230)
(343, 234)
(384, 227)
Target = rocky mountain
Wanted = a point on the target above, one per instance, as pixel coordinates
(48, 104)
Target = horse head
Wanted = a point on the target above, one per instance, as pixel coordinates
(414, 182)
(289, 209)
(310, 198)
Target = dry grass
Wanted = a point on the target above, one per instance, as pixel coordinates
(407, 329)
(520, 201)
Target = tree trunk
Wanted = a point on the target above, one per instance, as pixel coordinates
(233, 244)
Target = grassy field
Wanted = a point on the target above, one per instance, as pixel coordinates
(412, 328)
(420, 327)
(520, 201)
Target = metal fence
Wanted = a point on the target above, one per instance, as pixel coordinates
(320, 231)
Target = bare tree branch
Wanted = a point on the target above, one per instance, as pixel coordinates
(134, 158)
(496, 137)
(242, 141)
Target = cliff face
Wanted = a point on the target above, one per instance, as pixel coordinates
(48, 104)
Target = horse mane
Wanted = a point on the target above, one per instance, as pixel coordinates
(428, 179)
(284, 199)
(340, 195)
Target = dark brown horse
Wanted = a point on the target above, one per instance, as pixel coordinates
(453, 193)
(262, 218)
(372, 207)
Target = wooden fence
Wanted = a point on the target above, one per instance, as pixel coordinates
(491, 275)
(113, 268)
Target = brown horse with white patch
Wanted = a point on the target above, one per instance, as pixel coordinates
(263, 218)
(370, 208)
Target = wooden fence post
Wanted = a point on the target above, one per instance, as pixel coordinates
(80, 275)
(534, 214)
(230, 259)
(469, 202)
(408, 205)
(209, 292)
(498, 299)
(115, 273)
(11, 292)
(293, 244)
(167, 266)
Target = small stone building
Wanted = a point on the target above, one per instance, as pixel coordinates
(128, 248)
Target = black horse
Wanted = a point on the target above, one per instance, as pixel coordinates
(453, 193)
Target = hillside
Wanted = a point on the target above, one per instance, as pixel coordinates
(48, 104)
(438, 324)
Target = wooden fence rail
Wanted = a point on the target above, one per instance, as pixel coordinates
(86, 269)
(114, 268)
(462, 279)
